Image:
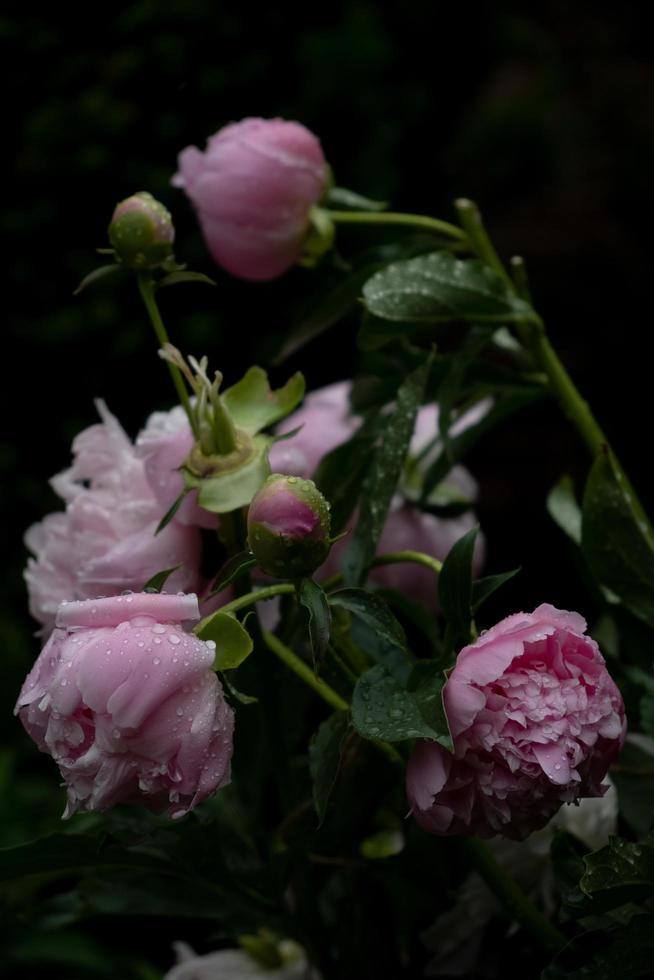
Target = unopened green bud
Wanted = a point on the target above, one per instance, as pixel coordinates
(141, 232)
(288, 527)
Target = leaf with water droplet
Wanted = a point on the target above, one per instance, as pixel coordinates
(233, 642)
(383, 708)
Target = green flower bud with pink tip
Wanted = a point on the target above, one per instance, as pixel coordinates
(141, 232)
(288, 527)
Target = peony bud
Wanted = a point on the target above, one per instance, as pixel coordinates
(253, 189)
(128, 706)
(536, 721)
(288, 527)
(141, 232)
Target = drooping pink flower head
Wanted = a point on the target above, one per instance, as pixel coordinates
(128, 706)
(253, 188)
(288, 526)
(105, 541)
(163, 445)
(536, 721)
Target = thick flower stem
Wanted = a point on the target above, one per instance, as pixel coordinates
(146, 289)
(397, 218)
(509, 893)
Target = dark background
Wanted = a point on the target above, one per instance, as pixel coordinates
(545, 118)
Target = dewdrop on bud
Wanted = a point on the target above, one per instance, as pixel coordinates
(288, 527)
(141, 232)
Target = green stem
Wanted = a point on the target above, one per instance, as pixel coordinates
(268, 592)
(146, 289)
(397, 218)
(562, 386)
(470, 219)
(304, 672)
(416, 557)
(514, 900)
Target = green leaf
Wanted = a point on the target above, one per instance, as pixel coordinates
(383, 708)
(157, 582)
(455, 584)
(67, 854)
(437, 288)
(170, 513)
(341, 472)
(449, 391)
(236, 694)
(100, 273)
(235, 488)
(633, 775)
(386, 639)
(484, 587)
(314, 600)
(233, 568)
(617, 539)
(341, 197)
(383, 476)
(618, 873)
(383, 844)
(563, 508)
(253, 405)
(622, 953)
(176, 277)
(325, 753)
(233, 642)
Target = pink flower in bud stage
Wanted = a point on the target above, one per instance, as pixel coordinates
(126, 703)
(536, 721)
(288, 526)
(104, 541)
(253, 189)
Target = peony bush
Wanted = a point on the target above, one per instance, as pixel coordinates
(282, 662)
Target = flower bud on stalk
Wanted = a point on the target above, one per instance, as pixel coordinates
(288, 527)
(141, 232)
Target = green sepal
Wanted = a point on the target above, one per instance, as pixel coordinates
(253, 405)
(235, 487)
(233, 642)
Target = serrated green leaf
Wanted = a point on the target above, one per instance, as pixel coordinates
(314, 600)
(157, 582)
(618, 873)
(438, 288)
(383, 709)
(325, 751)
(233, 642)
(617, 539)
(385, 640)
(177, 277)
(384, 474)
(483, 588)
(563, 508)
(455, 583)
(100, 273)
(233, 568)
(228, 491)
(253, 405)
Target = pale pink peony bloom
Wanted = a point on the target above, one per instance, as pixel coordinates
(163, 445)
(536, 721)
(253, 189)
(126, 703)
(104, 542)
(327, 421)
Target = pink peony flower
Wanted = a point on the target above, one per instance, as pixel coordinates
(163, 445)
(128, 706)
(536, 721)
(253, 189)
(327, 421)
(104, 542)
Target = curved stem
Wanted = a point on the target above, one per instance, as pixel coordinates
(397, 218)
(416, 557)
(304, 672)
(470, 218)
(512, 897)
(146, 289)
(268, 592)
